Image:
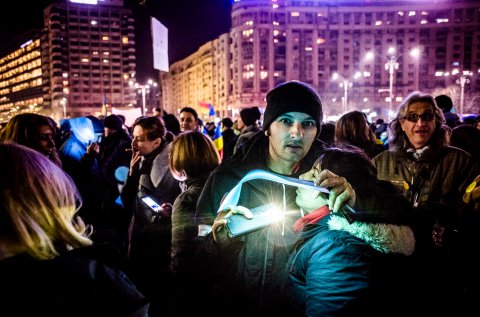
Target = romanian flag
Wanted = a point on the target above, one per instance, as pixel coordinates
(209, 106)
(218, 139)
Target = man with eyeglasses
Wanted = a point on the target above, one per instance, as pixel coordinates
(433, 176)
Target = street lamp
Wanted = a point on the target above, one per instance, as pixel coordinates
(143, 89)
(391, 66)
(462, 81)
(345, 84)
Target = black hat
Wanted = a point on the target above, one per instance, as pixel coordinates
(250, 115)
(444, 102)
(292, 96)
(113, 122)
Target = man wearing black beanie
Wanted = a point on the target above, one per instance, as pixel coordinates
(286, 146)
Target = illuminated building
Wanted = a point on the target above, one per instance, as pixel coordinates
(88, 56)
(21, 78)
(201, 77)
(272, 41)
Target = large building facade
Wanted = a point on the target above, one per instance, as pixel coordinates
(21, 78)
(357, 54)
(88, 57)
(80, 64)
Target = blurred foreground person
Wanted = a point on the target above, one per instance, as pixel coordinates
(47, 264)
(34, 131)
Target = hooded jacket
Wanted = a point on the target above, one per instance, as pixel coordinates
(359, 269)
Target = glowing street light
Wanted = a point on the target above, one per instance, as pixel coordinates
(391, 66)
(345, 84)
(462, 81)
(143, 89)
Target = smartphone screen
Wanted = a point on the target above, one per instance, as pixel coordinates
(151, 203)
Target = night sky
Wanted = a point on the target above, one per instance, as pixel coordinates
(190, 24)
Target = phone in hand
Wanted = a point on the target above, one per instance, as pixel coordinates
(152, 204)
(264, 215)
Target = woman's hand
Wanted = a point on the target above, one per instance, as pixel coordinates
(136, 157)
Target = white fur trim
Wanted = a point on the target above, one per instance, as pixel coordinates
(386, 238)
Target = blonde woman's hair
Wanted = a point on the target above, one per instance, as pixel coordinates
(38, 202)
(193, 153)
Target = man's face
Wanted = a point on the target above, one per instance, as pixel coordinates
(187, 121)
(141, 144)
(420, 132)
(291, 136)
(304, 198)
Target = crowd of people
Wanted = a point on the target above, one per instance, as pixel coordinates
(376, 218)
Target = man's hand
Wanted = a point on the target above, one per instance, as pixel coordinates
(218, 227)
(341, 192)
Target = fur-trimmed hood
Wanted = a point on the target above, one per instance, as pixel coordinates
(385, 238)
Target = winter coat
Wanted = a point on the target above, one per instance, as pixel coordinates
(82, 282)
(359, 269)
(434, 183)
(252, 269)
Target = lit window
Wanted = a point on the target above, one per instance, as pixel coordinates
(377, 23)
(444, 20)
(104, 38)
(411, 13)
(320, 41)
(85, 60)
(125, 40)
(93, 22)
(295, 14)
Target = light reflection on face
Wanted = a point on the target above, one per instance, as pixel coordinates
(187, 121)
(304, 198)
(419, 133)
(291, 137)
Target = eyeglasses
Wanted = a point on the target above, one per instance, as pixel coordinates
(413, 117)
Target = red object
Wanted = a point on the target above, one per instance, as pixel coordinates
(310, 218)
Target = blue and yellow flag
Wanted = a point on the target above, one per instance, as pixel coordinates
(218, 139)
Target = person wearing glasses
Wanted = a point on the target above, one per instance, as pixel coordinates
(433, 176)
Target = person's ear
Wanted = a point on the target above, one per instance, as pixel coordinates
(267, 132)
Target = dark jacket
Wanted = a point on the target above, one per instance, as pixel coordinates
(251, 270)
(229, 142)
(83, 282)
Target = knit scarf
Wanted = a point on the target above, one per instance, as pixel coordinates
(313, 217)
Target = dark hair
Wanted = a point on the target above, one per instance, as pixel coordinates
(351, 127)
(350, 162)
(467, 138)
(227, 122)
(190, 110)
(154, 126)
(444, 102)
(171, 123)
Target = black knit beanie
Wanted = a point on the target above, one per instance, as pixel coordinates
(292, 96)
(113, 122)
